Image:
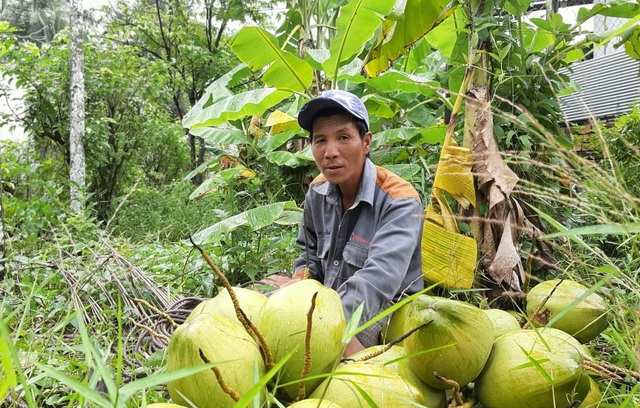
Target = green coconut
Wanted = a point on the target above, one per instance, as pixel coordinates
(222, 341)
(314, 403)
(533, 369)
(283, 324)
(250, 302)
(394, 328)
(385, 387)
(502, 321)
(395, 359)
(164, 405)
(584, 321)
(594, 397)
(455, 344)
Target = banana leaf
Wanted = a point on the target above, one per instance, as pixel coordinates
(283, 213)
(259, 49)
(280, 122)
(403, 28)
(357, 23)
(632, 45)
(254, 102)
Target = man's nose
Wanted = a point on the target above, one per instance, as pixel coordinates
(331, 150)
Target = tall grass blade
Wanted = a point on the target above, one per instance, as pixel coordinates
(8, 376)
(83, 389)
(603, 229)
(130, 389)
(93, 357)
(260, 386)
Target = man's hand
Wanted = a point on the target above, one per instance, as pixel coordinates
(352, 347)
(284, 283)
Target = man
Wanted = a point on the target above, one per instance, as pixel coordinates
(362, 224)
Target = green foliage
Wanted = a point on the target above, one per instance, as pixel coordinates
(33, 196)
(623, 140)
(189, 41)
(58, 326)
(149, 214)
(356, 24)
(243, 253)
(129, 132)
(37, 21)
(297, 73)
(71, 282)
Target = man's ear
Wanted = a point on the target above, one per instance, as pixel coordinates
(367, 141)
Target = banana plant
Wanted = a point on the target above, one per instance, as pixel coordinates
(289, 80)
(411, 62)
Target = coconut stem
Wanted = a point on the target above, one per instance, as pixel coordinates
(535, 316)
(457, 398)
(612, 372)
(307, 348)
(230, 391)
(150, 330)
(157, 311)
(242, 317)
(392, 343)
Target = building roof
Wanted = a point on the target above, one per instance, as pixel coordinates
(610, 87)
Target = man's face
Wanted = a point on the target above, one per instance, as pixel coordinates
(339, 151)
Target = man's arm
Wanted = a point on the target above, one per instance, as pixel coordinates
(307, 241)
(392, 247)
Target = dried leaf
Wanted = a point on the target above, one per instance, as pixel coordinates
(493, 176)
(507, 259)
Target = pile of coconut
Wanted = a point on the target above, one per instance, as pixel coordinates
(242, 348)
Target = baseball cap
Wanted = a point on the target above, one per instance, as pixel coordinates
(334, 98)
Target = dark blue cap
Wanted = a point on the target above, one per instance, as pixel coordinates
(334, 98)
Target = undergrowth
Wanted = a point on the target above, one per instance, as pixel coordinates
(72, 308)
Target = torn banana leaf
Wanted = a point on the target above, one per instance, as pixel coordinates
(448, 258)
(454, 174)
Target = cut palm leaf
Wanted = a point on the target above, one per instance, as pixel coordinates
(446, 218)
(454, 174)
(448, 258)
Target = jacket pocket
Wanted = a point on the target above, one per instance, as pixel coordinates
(323, 249)
(355, 255)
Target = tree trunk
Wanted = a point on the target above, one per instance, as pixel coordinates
(77, 170)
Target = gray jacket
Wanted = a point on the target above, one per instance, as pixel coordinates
(380, 259)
